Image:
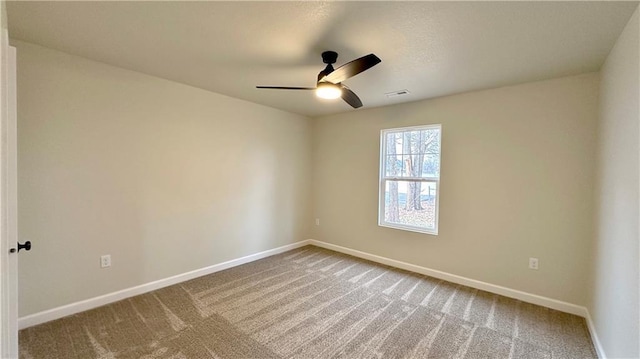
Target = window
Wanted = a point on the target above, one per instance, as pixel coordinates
(410, 178)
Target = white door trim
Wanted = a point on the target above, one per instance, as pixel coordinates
(12, 203)
(8, 199)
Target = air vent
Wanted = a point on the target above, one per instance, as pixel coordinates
(397, 93)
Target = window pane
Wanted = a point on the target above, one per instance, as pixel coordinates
(394, 165)
(410, 203)
(431, 166)
(394, 143)
(397, 137)
(416, 153)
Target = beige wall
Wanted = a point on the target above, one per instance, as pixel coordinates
(165, 177)
(516, 182)
(613, 299)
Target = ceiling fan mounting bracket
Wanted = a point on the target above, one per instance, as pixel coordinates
(329, 57)
(327, 70)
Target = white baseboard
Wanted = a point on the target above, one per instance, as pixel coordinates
(77, 307)
(594, 337)
(507, 292)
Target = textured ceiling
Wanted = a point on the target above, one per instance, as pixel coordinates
(429, 48)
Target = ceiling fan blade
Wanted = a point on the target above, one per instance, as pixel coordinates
(352, 68)
(285, 88)
(350, 97)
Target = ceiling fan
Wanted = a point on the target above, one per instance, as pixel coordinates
(329, 84)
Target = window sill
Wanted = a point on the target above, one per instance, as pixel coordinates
(433, 232)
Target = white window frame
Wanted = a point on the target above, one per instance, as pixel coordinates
(383, 180)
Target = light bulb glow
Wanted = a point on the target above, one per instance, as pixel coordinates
(328, 90)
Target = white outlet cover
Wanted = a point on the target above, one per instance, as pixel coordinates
(105, 261)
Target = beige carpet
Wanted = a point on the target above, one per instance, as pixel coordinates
(313, 303)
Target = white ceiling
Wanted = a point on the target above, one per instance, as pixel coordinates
(429, 48)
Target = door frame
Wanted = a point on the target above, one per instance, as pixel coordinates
(8, 197)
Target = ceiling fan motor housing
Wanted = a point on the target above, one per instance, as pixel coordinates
(329, 57)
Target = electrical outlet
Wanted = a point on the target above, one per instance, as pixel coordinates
(317, 221)
(533, 263)
(105, 261)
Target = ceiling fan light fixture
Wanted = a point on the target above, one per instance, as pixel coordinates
(328, 91)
